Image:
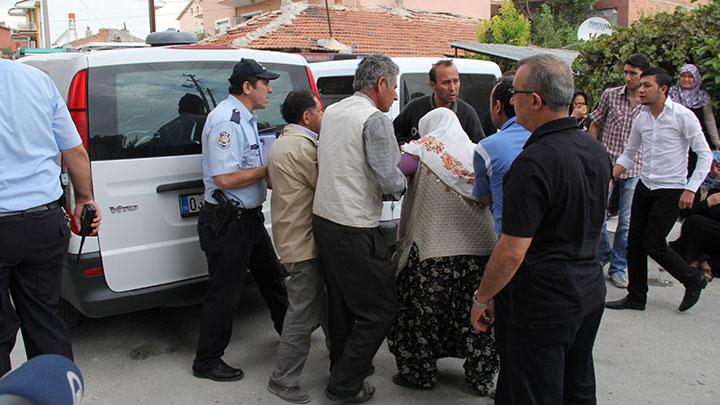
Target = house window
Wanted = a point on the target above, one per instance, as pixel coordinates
(222, 25)
(247, 16)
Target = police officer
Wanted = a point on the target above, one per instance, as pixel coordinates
(231, 224)
(35, 128)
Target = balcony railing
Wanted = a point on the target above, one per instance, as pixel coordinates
(27, 26)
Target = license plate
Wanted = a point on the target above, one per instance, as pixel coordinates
(190, 204)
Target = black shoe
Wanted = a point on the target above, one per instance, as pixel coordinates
(222, 372)
(366, 393)
(400, 380)
(625, 303)
(692, 295)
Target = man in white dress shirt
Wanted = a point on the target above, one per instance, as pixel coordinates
(663, 130)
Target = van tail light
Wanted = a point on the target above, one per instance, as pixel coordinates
(93, 271)
(77, 104)
(313, 85)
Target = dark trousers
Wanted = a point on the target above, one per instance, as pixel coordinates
(245, 244)
(32, 251)
(652, 216)
(700, 236)
(362, 299)
(553, 365)
(501, 324)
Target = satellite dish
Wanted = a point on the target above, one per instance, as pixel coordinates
(594, 27)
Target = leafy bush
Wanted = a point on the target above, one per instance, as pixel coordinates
(508, 27)
(668, 40)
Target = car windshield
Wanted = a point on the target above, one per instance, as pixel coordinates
(159, 109)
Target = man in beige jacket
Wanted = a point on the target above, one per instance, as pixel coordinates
(292, 167)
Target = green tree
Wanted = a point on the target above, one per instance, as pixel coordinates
(668, 40)
(549, 32)
(572, 12)
(510, 26)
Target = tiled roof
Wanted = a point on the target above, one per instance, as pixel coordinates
(365, 29)
(105, 35)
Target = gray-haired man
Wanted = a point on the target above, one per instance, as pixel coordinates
(553, 210)
(357, 166)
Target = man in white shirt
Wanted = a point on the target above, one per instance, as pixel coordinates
(663, 130)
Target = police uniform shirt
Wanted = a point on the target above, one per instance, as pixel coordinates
(35, 126)
(230, 142)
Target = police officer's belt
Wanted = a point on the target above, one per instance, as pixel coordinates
(242, 213)
(39, 208)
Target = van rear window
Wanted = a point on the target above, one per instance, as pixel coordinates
(335, 88)
(159, 109)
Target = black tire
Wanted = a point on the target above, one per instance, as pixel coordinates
(72, 317)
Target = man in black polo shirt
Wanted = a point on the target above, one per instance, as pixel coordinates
(554, 200)
(445, 84)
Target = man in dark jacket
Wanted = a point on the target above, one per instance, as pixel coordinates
(445, 84)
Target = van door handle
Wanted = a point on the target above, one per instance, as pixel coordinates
(181, 185)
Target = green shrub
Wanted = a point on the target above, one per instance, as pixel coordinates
(668, 40)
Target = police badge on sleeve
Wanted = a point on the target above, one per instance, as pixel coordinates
(224, 140)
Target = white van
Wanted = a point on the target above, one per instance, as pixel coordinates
(146, 165)
(477, 78)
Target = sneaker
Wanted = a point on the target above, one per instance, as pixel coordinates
(619, 279)
(295, 395)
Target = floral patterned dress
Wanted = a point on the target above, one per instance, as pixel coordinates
(434, 321)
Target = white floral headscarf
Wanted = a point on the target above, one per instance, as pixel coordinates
(446, 149)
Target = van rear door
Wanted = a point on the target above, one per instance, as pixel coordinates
(145, 122)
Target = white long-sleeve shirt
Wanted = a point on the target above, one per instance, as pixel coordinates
(665, 141)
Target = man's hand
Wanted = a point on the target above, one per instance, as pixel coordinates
(617, 170)
(686, 199)
(713, 200)
(481, 318)
(77, 213)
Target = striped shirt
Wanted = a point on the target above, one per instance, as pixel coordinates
(615, 115)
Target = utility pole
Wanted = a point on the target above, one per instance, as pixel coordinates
(327, 10)
(47, 42)
(151, 6)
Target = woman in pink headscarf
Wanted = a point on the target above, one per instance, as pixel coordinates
(689, 92)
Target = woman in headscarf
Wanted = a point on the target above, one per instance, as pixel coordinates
(688, 91)
(445, 239)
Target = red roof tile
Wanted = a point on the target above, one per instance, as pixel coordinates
(366, 30)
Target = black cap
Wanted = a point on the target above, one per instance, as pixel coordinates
(247, 68)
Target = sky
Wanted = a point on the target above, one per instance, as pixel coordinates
(103, 14)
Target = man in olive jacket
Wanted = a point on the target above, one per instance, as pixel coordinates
(292, 167)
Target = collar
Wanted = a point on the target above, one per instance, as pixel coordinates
(507, 123)
(366, 97)
(453, 106)
(308, 131)
(554, 126)
(245, 114)
(669, 104)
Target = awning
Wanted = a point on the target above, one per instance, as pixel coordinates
(514, 52)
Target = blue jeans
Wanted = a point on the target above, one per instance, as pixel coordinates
(617, 256)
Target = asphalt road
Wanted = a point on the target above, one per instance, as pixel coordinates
(658, 356)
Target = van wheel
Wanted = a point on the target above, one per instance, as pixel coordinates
(70, 314)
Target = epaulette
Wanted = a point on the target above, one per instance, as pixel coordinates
(235, 116)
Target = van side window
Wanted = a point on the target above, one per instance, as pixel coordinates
(334, 88)
(412, 86)
(159, 109)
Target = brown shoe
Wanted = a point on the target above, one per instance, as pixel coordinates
(295, 395)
